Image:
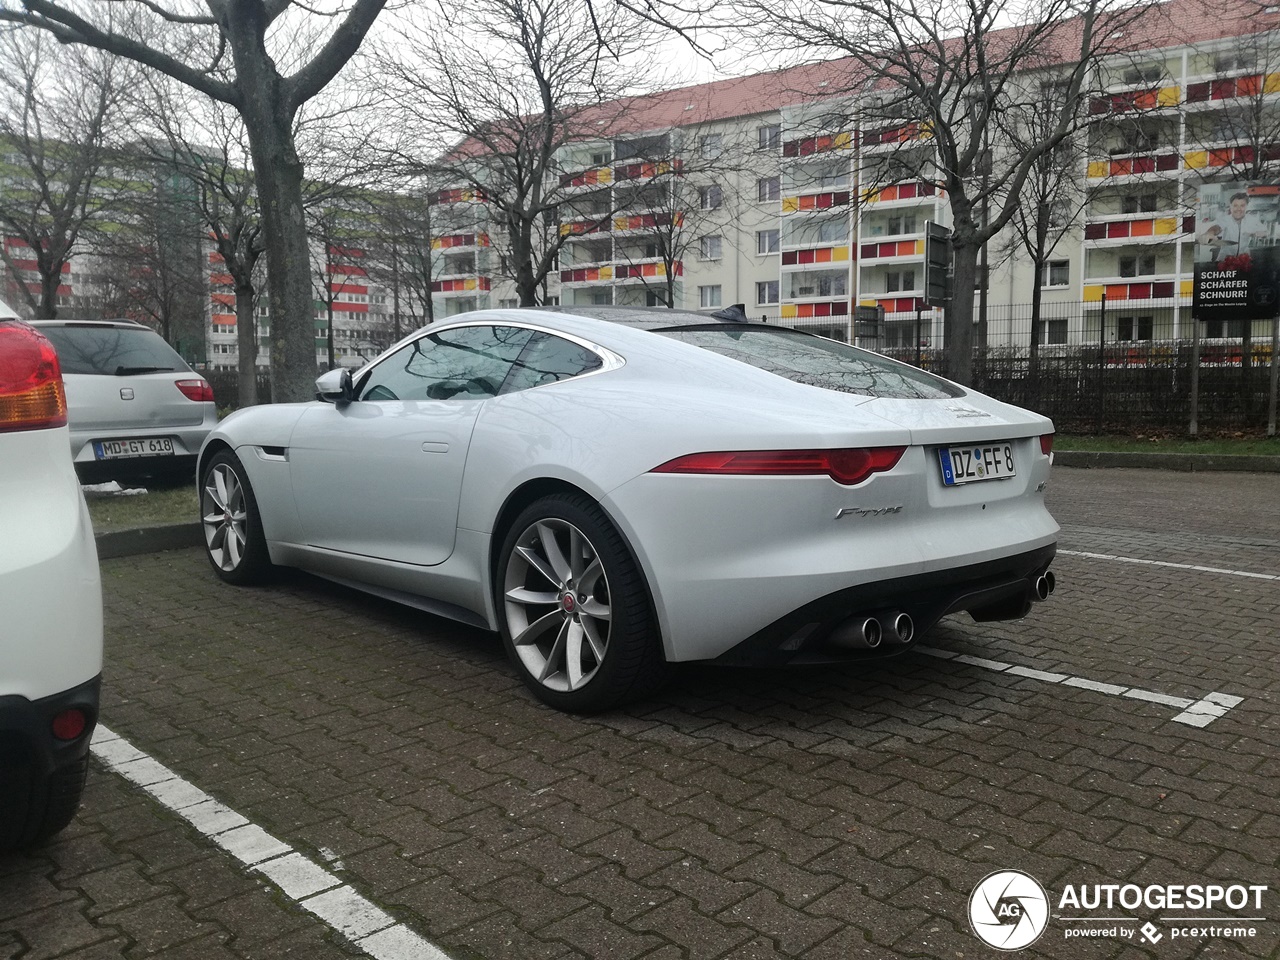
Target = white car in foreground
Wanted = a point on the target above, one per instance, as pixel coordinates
(50, 599)
(617, 489)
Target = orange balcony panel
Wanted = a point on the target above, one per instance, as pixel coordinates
(1117, 291)
(1249, 86)
(225, 299)
(224, 279)
(215, 258)
(1141, 228)
(889, 193)
(226, 319)
(906, 248)
(822, 256)
(1219, 158)
(804, 310)
(1121, 168)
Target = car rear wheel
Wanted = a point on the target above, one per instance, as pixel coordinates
(574, 610)
(33, 807)
(233, 535)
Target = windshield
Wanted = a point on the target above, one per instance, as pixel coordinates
(112, 351)
(804, 358)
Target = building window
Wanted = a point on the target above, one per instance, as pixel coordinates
(1141, 266)
(711, 248)
(768, 188)
(899, 281)
(710, 197)
(1126, 328)
(1057, 273)
(766, 241)
(906, 223)
(600, 297)
(508, 304)
(711, 146)
(600, 159)
(767, 292)
(709, 296)
(770, 135)
(833, 231)
(1055, 331)
(551, 301)
(1139, 203)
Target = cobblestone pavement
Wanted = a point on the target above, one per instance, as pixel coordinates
(842, 813)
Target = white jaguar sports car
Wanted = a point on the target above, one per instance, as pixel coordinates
(615, 489)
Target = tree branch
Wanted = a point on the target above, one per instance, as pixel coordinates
(333, 56)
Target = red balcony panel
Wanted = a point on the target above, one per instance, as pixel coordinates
(788, 258)
(1168, 161)
(224, 299)
(1222, 89)
(1197, 92)
(841, 198)
(1272, 152)
(352, 307)
(566, 276)
(1099, 105)
(907, 191)
(1189, 224)
(336, 268)
(222, 279)
(822, 309)
(1139, 291)
(840, 308)
(1162, 289)
(1144, 164)
(1118, 230)
(791, 148)
(905, 304)
(1244, 155)
(824, 201)
(928, 189)
(805, 256)
(868, 251)
(1095, 231)
(25, 265)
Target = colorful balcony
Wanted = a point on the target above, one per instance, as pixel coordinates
(596, 177)
(891, 249)
(809, 146)
(648, 271)
(815, 201)
(461, 285)
(1227, 157)
(913, 190)
(891, 136)
(1230, 87)
(647, 221)
(460, 240)
(577, 228)
(1138, 229)
(1133, 165)
(460, 195)
(1155, 98)
(1137, 290)
(646, 171)
(804, 311)
(797, 258)
(597, 274)
(903, 304)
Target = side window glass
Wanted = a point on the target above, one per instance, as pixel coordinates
(549, 359)
(469, 362)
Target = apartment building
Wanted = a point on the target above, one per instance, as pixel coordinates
(786, 229)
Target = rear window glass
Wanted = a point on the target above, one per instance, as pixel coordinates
(112, 351)
(812, 360)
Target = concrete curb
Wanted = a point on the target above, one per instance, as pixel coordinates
(169, 536)
(1183, 462)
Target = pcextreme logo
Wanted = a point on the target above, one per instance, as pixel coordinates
(1010, 910)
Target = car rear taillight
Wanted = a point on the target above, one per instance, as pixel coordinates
(69, 724)
(31, 391)
(198, 390)
(1046, 443)
(843, 466)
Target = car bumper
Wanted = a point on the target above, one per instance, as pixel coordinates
(181, 463)
(26, 727)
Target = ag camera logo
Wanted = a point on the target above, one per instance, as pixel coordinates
(1008, 910)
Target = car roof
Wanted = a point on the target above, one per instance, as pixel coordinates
(649, 318)
(129, 324)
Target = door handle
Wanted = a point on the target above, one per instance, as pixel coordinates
(435, 446)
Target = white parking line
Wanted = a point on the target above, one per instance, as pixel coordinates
(1169, 563)
(303, 881)
(1195, 713)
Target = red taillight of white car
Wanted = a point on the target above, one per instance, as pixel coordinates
(848, 467)
(198, 390)
(1046, 443)
(31, 392)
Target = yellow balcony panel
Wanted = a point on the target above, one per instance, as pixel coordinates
(1196, 159)
(1098, 168)
(606, 273)
(1169, 97)
(787, 311)
(1093, 293)
(1272, 83)
(839, 253)
(790, 204)
(1184, 288)
(1166, 225)
(842, 141)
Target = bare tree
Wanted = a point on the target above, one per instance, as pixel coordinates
(57, 108)
(511, 84)
(231, 50)
(931, 80)
(400, 256)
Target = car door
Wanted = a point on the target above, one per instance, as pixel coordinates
(381, 476)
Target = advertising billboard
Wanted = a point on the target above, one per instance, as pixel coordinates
(1237, 260)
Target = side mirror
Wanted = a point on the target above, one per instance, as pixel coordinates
(335, 386)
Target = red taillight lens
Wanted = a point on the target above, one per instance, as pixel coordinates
(198, 390)
(1046, 443)
(843, 466)
(69, 724)
(31, 392)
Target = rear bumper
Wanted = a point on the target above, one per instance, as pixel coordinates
(26, 727)
(137, 468)
(994, 590)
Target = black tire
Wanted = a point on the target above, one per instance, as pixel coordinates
(34, 808)
(619, 646)
(234, 542)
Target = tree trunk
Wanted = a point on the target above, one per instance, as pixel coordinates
(247, 344)
(49, 281)
(958, 325)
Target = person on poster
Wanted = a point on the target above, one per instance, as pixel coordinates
(1232, 233)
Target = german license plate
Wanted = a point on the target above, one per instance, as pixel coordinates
(988, 461)
(120, 449)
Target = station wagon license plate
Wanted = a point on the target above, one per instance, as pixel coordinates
(989, 461)
(120, 449)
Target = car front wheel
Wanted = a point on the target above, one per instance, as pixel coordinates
(233, 535)
(575, 613)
